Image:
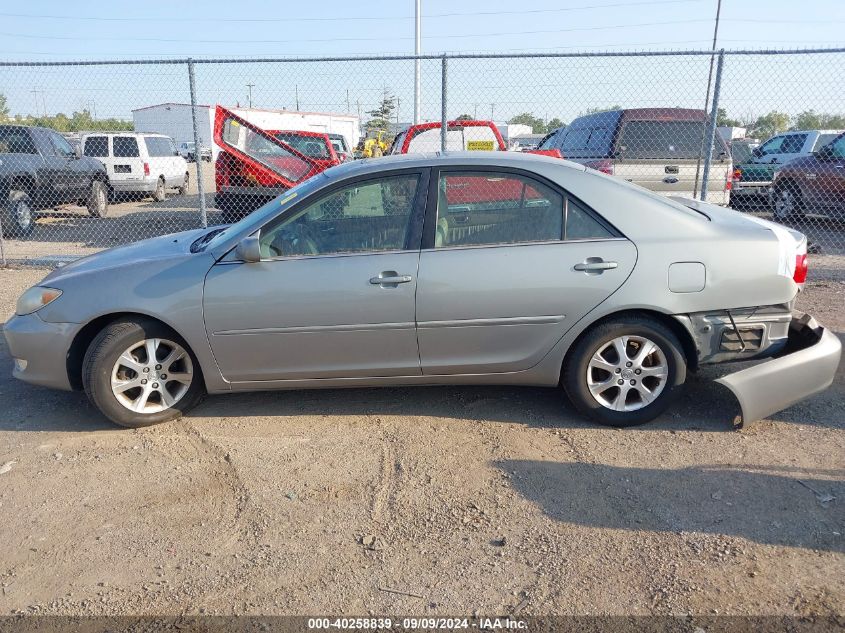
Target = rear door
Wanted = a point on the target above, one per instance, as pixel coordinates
(500, 278)
(125, 164)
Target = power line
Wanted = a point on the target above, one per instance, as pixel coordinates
(349, 39)
(98, 18)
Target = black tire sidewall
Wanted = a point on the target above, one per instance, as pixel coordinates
(575, 370)
(99, 361)
(11, 226)
(98, 207)
(159, 194)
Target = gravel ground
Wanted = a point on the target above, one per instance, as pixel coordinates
(467, 499)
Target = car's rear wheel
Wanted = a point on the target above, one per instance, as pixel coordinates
(18, 219)
(140, 372)
(159, 193)
(98, 200)
(625, 371)
(787, 203)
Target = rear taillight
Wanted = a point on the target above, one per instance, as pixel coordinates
(605, 166)
(737, 174)
(146, 169)
(733, 177)
(801, 267)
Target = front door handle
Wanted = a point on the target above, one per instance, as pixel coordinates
(595, 265)
(390, 279)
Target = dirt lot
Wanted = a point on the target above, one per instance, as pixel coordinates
(473, 499)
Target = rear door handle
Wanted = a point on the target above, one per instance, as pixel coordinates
(390, 279)
(595, 265)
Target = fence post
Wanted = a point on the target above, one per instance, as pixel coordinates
(443, 121)
(711, 126)
(2, 243)
(197, 144)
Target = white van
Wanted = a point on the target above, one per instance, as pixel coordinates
(138, 163)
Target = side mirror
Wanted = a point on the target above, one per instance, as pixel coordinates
(249, 250)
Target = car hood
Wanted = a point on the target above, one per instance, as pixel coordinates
(156, 248)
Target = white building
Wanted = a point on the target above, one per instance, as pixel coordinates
(174, 120)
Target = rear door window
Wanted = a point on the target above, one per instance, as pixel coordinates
(476, 208)
(313, 146)
(575, 140)
(96, 146)
(793, 144)
(125, 147)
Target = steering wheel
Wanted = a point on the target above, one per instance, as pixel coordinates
(295, 239)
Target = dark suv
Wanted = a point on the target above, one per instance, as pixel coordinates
(657, 148)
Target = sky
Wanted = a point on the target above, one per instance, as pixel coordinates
(46, 30)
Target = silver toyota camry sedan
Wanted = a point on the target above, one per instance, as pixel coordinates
(469, 268)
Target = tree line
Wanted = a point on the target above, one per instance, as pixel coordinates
(76, 122)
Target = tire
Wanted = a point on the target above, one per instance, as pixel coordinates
(104, 374)
(787, 203)
(183, 188)
(666, 365)
(98, 200)
(159, 194)
(18, 217)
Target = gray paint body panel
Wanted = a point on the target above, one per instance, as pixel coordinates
(503, 315)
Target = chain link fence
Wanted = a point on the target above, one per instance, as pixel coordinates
(98, 154)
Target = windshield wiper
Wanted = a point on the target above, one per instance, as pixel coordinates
(200, 243)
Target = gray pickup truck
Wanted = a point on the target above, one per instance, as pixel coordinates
(39, 170)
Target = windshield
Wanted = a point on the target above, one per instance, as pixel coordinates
(218, 235)
(313, 146)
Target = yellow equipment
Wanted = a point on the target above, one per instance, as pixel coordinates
(373, 145)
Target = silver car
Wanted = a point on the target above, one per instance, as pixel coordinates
(467, 268)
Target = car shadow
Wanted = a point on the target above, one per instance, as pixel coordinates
(768, 506)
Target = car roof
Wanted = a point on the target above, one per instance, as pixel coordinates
(516, 160)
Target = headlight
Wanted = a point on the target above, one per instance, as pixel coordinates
(36, 298)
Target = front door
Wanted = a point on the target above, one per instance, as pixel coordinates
(515, 263)
(69, 177)
(334, 293)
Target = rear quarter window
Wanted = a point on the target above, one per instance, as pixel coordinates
(158, 146)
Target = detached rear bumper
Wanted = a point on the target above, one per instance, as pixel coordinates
(807, 365)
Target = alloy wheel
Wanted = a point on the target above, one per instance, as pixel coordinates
(152, 375)
(627, 373)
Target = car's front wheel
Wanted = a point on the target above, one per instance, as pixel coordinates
(17, 220)
(140, 372)
(787, 203)
(625, 371)
(98, 200)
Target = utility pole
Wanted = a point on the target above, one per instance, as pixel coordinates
(492, 107)
(348, 107)
(296, 87)
(250, 87)
(35, 95)
(475, 113)
(707, 97)
(417, 37)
